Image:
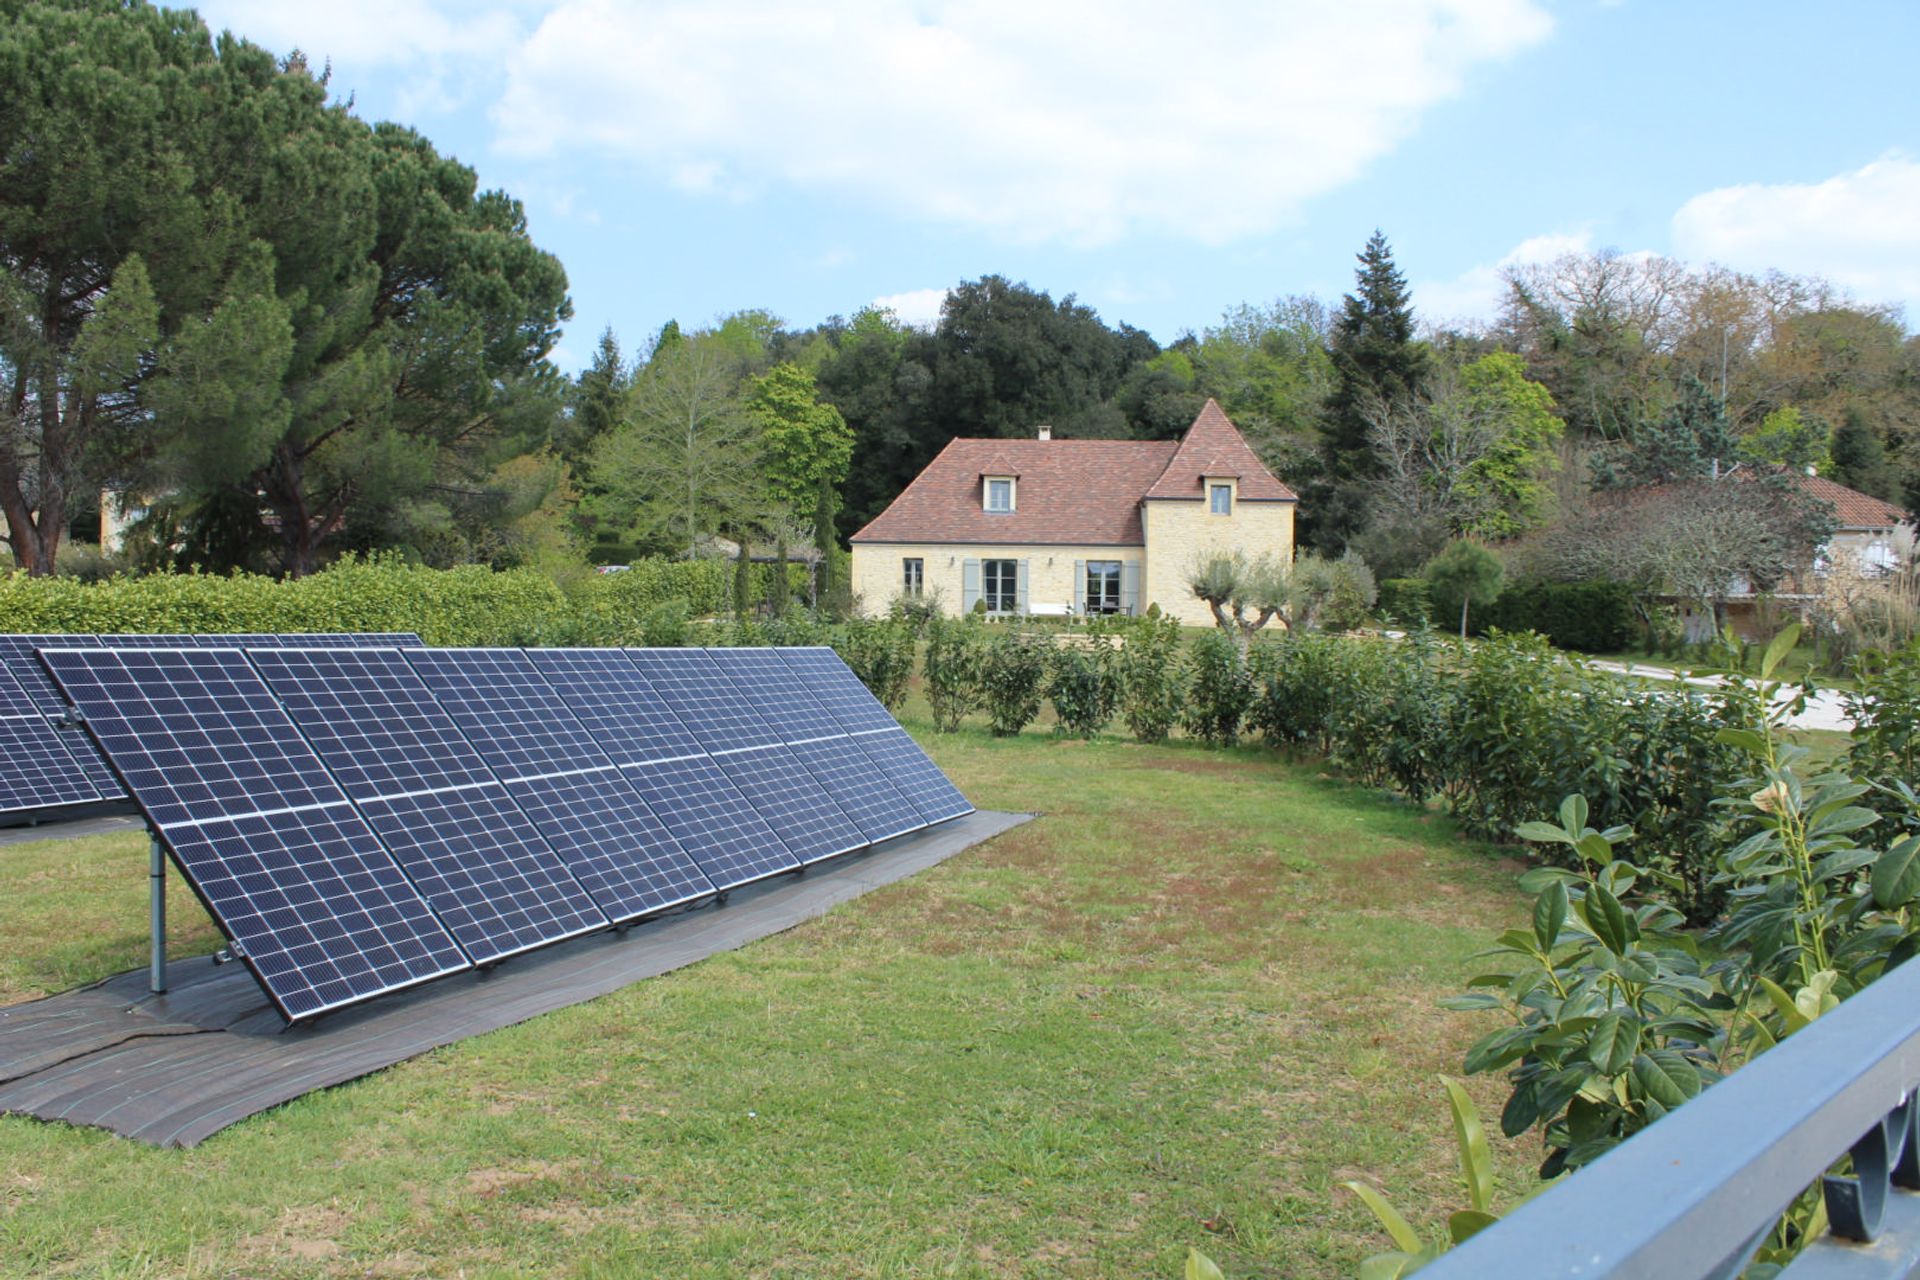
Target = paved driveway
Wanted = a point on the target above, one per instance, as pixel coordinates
(1824, 710)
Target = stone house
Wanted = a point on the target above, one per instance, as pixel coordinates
(1055, 527)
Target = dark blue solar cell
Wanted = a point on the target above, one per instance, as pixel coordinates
(486, 870)
(837, 689)
(489, 873)
(665, 763)
(315, 904)
(863, 792)
(195, 733)
(705, 811)
(36, 769)
(575, 794)
(622, 712)
(17, 653)
(749, 752)
(876, 732)
(898, 756)
(704, 699)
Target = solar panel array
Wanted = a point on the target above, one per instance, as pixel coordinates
(311, 900)
(36, 780)
(572, 790)
(362, 819)
(480, 864)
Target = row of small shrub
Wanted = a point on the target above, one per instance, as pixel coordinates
(469, 605)
(1502, 731)
(1124, 668)
(1587, 617)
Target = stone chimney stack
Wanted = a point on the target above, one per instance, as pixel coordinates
(1046, 432)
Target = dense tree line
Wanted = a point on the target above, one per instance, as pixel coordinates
(294, 333)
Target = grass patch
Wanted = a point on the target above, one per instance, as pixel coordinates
(1176, 1010)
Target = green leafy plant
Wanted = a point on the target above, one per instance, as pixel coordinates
(1219, 689)
(1013, 673)
(1083, 683)
(880, 653)
(1411, 1252)
(953, 670)
(1152, 680)
(1614, 1019)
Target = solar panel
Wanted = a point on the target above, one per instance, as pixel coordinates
(18, 656)
(314, 640)
(577, 797)
(312, 903)
(479, 862)
(663, 762)
(876, 732)
(749, 752)
(837, 763)
(36, 769)
(142, 640)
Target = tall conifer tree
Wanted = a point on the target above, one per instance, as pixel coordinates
(1375, 357)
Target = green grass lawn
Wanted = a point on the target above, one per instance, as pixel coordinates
(1174, 1011)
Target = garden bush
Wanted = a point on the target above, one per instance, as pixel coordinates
(1013, 674)
(1219, 689)
(1152, 680)
(467, 605)
(880, 653)
(1404, 602)
(1885, 708)
(952, 670)
(1394, 709)
(1589, 617)
(1083, 682)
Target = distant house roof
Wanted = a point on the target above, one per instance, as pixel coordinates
(1069, 491)
(1852, 508)
(1213, 446)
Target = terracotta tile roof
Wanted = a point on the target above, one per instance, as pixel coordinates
(1069, 491)
(1214, 447)
(1084, 491)
(1852, 508)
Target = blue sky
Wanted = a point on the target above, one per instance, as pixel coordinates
(1162, 162)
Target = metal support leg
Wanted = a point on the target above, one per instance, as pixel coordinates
(157, 890)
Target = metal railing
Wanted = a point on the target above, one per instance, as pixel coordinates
(1694, 1196)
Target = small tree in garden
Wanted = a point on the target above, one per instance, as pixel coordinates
(1152, 680)
(1244, 594)
(1013, 674)
(1466, 573)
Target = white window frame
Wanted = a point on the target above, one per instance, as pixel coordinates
(1000, 584)
(986, 495)
(1214, 489)
(913, 575)
(1110, 573)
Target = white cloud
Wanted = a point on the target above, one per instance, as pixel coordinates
(1475, 293)
(917, 307)
(1076, 120)
(1857, 229)
(439, 46)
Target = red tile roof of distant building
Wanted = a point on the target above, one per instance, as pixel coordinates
(1085, 492)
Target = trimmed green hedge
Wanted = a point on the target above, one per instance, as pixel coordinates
(1587, 617)
(469, 605)
(1590, 617)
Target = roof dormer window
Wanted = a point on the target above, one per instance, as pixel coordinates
(1220, 497)
(997, 498)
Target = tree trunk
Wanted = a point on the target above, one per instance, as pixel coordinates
(1463, 617)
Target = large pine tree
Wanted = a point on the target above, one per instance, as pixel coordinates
(1375, 358)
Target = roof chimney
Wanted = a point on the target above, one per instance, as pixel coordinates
(1046, 432)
